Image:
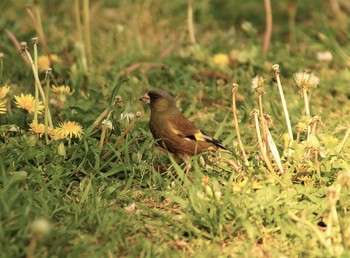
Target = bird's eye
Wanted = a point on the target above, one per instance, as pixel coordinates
(153, 96)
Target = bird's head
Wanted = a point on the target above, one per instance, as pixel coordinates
(159, 100)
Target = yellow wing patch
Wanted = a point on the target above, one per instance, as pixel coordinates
(197, 136)
(175, 131)
(200, 137)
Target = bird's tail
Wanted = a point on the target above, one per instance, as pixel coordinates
(217, 143)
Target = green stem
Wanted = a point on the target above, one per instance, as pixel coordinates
(263, 150)
(264, 127)
(35, 43)
(285, 110)
(190, 21)
(47, 95)
(307, 111)
(82, 48)
(86, 20)
(104, 129)
(238, 133)
(1, 65)
(32, 247)
(37, 81)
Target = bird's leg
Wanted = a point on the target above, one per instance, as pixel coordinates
(188, 168)
(187, 160)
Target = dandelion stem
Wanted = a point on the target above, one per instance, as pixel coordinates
(190, 21)
(127, 129)
(104, 129)
(32, 247)
(255, 114)
(284, 104)
(77, 20)
(36, 77)
(38, 19)
(307, 111)
(1, 65)
(38, 28)
(316, 119)
(47, 93)
(298, 136)
(97, 121)
(268, 31)
(264, 126)
(87, 34)
(274, 150)
(36, 94)
(80, 35)
(238, 133)
(17, 44)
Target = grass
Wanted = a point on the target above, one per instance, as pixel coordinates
(112, 193)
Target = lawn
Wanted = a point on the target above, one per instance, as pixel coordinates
(82, 176)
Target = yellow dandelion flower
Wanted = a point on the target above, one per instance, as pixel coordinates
(27, 102)
(62, 90)
(221, 59)
(70, 129)
(44, 62)
(3, 108)
(3, 91)
(56, 134)
(36, 128)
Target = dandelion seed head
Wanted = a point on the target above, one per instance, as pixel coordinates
(40, 227)
(258, 85)
(306, 80)
(108, 122)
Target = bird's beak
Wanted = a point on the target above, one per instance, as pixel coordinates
(145, 98)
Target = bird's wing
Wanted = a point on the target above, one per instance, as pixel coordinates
(182, 127)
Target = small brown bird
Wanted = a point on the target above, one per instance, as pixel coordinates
(172, 130)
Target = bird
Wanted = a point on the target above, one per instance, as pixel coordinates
(173, 131)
